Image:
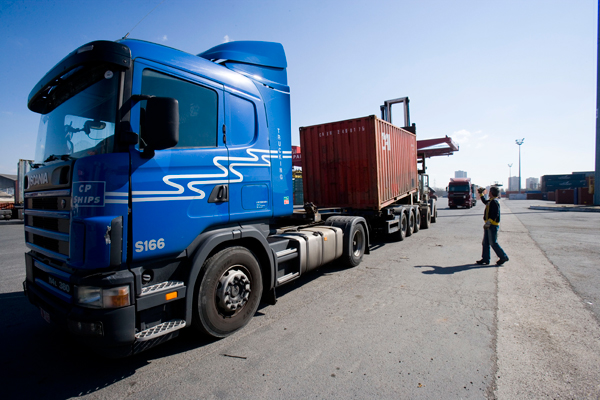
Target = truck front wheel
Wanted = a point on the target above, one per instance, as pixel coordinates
(228, 292)
(426, 219)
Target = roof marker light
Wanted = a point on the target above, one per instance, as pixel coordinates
(85, 48)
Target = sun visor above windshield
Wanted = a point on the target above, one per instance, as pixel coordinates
(43, 98)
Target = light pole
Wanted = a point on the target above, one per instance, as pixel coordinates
(509, 175)
(519, 142)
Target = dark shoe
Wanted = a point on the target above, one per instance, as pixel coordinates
(482, 262)
(501, 261)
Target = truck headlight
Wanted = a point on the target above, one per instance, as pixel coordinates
(95, 297)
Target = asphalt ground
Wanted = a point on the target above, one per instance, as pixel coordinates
(417, 319)
(547, 333)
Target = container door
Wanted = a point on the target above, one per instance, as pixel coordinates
(179, 192)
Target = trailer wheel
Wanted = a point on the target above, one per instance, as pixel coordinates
(400, 234)
(411, 223)
(426, 222)
(228, 292)
(356, 247)
(417, 220)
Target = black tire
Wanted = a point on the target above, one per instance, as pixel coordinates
(426, 222)
(400, 234)
(411, 224)
(356, 246)
(417, 220)
(232, 273)
(434, 215)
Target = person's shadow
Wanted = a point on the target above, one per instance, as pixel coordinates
(452, 270)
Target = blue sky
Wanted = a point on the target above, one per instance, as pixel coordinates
(482, 72)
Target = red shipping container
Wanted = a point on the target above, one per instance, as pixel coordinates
(363, 163)
(296, 156)
(565, 196)
(584, 196)
(551, 196)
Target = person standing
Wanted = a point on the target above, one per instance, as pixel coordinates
(491, 217)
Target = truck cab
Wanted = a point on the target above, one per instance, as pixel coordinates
(161, 190)
(142, 150)
(460, 193)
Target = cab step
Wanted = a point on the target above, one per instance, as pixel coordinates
(161, 287)
(160, 330)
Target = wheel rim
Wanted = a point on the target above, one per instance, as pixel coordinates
(357, 243)
(233, 289)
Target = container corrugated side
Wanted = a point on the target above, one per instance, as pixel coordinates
(362, 163)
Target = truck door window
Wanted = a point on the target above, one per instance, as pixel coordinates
(198, 107)
(242, 121)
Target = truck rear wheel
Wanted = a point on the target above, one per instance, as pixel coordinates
(417, 220)
(434, 215)
(356, 246)
(400, 234)
(411, 223)
(228, 292)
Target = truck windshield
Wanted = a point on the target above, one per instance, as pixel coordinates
(459, 188)
(84, 124)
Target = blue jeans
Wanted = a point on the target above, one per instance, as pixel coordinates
(490, 238)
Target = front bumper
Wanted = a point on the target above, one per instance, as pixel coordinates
(103, 328)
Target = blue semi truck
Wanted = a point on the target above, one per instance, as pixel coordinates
(161, 195)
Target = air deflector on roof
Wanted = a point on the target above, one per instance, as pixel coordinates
(263, 60)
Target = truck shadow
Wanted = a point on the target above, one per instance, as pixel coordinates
(48, 363)
(43, 362)
(451, 270)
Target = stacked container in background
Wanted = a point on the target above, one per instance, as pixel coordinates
(298, 188)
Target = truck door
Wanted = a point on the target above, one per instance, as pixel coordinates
(181, 191)
(249, 158)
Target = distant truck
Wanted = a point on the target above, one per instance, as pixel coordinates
(461, 193)
(14, 209)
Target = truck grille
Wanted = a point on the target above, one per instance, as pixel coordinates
(47, 222)
(44, 203)
(57, 246)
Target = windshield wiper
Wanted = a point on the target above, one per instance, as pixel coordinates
(63, 157)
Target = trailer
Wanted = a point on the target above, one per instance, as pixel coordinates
(161, 196)
(367, 167)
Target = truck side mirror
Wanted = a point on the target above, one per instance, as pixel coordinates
(160, 123)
